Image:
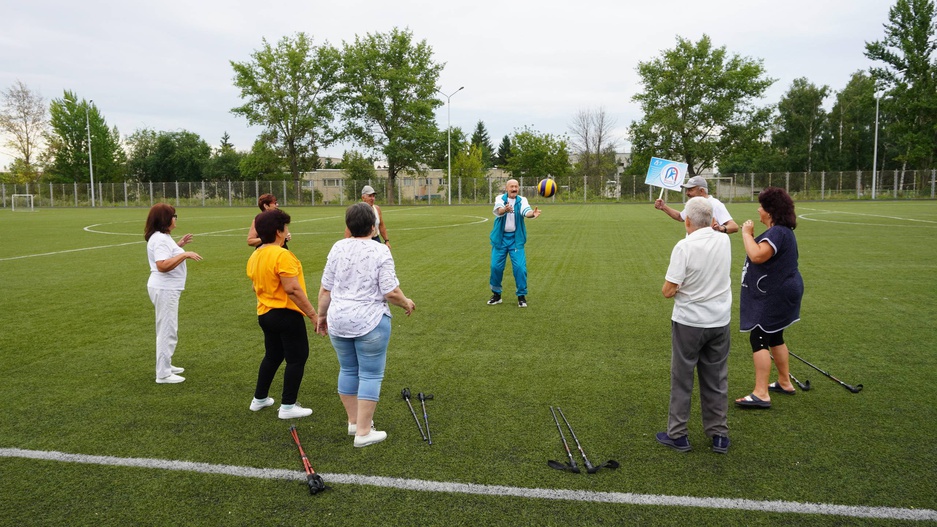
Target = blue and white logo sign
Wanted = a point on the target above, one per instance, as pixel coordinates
(665, 173)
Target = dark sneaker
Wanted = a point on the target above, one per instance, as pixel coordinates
(681, 443)
(522, 301)
(721, 444)
(495, 299)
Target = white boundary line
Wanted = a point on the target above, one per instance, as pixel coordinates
(824, 211)
(626, 498)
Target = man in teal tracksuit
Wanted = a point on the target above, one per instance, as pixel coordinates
(508, 236)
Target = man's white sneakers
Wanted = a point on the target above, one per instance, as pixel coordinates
(172, 379)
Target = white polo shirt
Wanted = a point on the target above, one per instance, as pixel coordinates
(700, 265)
(720, 212)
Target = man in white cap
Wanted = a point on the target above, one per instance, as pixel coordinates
(697, 186)
(367, 196)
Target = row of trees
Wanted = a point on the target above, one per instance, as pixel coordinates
(700, 104)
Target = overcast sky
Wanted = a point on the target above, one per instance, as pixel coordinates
(166, 65)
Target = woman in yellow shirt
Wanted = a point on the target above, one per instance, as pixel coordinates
(282, 306)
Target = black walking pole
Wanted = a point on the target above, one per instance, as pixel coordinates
(406, 397)
(423, 398)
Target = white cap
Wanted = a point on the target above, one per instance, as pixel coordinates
(696, 181)
(367, 190)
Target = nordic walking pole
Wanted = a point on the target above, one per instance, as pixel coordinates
(611, 463)
(406, 397)
(572, 467)
(312, 479)
(854, 389)
(423, 398)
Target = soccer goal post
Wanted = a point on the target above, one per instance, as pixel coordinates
(22, 202)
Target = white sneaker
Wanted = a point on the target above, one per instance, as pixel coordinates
(376, 436)
(295, 411)
(353, 428)
(172, 379)
(176, 369)
(258, 404)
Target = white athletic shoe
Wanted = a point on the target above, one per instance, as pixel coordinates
(353, 428)
(176, 369)
(376, 436)
(258, 404)
(294, 412)
(172, 379)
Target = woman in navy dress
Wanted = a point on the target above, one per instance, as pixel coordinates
(772, 289)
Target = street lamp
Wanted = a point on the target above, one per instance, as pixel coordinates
(875, 148)
(449, 136)
(90, 165)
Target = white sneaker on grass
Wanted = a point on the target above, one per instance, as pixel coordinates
(353, 428)
(292, 411)
(176, 369)
(376, 436)
(258, 404)
(172, 379)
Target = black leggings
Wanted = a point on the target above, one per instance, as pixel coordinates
(285, 338)
(765, 341)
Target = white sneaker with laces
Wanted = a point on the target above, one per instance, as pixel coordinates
(176, 369)
(293, 411)
(353, 428)
(376, 436)
(172, 379)
(258, 404)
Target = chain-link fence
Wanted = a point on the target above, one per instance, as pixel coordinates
(856, 185)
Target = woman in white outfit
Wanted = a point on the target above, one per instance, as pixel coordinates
(165, 286)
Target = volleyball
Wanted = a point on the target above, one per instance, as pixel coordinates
(546, 188)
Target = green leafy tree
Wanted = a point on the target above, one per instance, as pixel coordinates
(481, 139)
(141, 153)
(801, 124)
(291, 91)
(360, 171)
(262, 162)
(23, 119)
(536, 155)
(698, 104)
(390, 96)
(504, 152)
(66, 158)
(909, 75)
(224, 164)
(440, 152)
(852, 125)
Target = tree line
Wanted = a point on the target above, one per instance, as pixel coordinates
(700, 104)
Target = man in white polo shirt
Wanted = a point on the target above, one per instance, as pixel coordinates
(697, 186)
(699, 281)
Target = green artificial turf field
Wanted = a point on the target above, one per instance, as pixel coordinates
(77, 369)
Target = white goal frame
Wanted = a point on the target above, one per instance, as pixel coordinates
(29, 199)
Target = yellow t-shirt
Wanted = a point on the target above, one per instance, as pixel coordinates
(265, 267)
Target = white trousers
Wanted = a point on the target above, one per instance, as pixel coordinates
(166, 302)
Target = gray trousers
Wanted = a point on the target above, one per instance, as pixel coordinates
(706, 350)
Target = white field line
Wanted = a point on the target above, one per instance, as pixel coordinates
(817, 212)
(239, 231)
(418, 485)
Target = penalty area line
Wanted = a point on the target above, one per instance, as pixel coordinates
(624, 498)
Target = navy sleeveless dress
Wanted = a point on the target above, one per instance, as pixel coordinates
(772, 291)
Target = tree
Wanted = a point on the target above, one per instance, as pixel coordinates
(390, 95)
(909, 75)
(801, 122)
(23, 119)
(360, 171)
(262, 162)
(593, 142)
(852, 125)
(504, 152)
(535, 155)
(66, 158)
(167, 156)
(141, 153)
(291, 91)
(698, 105)
(224, 164)
(441, 146)
(481, 139)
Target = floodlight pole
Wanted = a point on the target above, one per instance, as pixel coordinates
(90, 165)
(449, 137)
(875, 148)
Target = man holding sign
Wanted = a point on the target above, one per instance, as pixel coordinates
(697, 186)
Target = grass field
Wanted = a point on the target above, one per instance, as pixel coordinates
(77, 369)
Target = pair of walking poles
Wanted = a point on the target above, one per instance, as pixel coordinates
(313, 480)
(572, 466)
(423, 398)
(805, 386)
